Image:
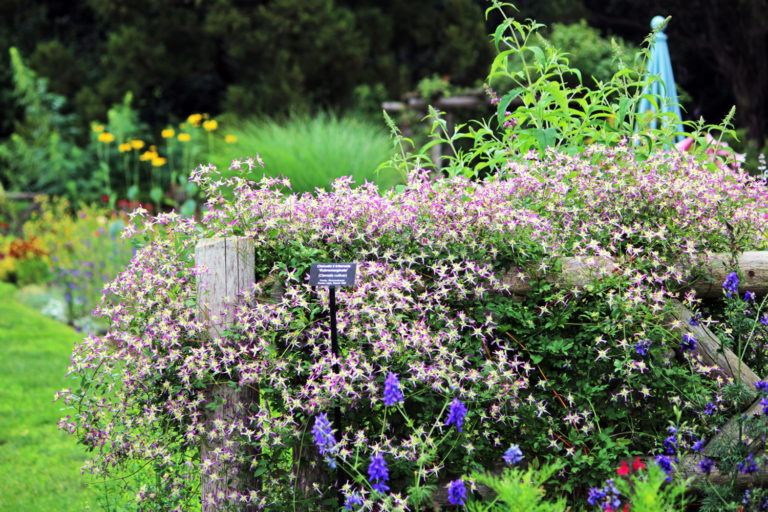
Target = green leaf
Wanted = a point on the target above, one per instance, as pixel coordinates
(501, 109)
(545, 138)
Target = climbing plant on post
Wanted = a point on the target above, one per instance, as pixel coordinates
(227, 270)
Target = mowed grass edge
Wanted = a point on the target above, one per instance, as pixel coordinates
(39, 465)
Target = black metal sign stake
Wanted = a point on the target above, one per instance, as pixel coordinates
(335, 352)
(334, 333)
(333, 275)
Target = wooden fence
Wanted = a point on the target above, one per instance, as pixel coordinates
(230, 270)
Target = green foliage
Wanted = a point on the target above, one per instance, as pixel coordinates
(594, 56)
(545, 109)
(524, 490)
(40, 154)
(649, 491)
(519, 490)
(312, 151)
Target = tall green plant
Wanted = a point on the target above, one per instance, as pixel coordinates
(544, 109)
(40, 154)
(312, 151)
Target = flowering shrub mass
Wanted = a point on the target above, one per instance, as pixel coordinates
(431, 337)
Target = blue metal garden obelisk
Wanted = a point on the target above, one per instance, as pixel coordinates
(662, 88)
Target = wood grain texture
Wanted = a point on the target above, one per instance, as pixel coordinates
(229, 264)
(708, 347)
(711, 353)
(580, 271)
(689, 468)
(753, 265)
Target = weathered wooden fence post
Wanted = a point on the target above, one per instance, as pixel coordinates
(230, 270)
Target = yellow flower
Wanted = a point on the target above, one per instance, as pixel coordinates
(124, 147)
(148, 155)
(230, 139)
(195, 119)
(210, 125)
(106, 137)
(137, 144)
(158, 161)
(167, 133)
(98, 128)
(184, 137)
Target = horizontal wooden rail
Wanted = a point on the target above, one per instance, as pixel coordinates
(581, 271)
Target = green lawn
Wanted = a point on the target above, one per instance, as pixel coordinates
(39, 465)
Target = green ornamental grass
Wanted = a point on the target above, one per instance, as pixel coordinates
(312, 151)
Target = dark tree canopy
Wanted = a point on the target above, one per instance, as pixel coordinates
(273, 56)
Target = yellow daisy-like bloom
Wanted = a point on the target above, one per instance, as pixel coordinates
(210, 125)
(167, 133)
(137, 144)
(124, 147)
(158, 161)
(98, 128)
(148, 155)
(230, 139)
(106, 137)
(184, 137)
(195, 119)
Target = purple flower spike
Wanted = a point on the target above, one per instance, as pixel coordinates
(323, 434)
(665, 463)
(731, 284)
(392, 392)
(378, 474)
(457, 493)
(456, 414)
(642, 347)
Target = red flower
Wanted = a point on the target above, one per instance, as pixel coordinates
(105, 198)
(624, 469)
(638, 465)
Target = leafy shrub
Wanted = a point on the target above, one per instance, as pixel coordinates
(313, 151)
(45, 153)
(594, 56)
(41, 154)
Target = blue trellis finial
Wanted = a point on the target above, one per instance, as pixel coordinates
(657, 22)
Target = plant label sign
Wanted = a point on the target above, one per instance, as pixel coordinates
(332, 274)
